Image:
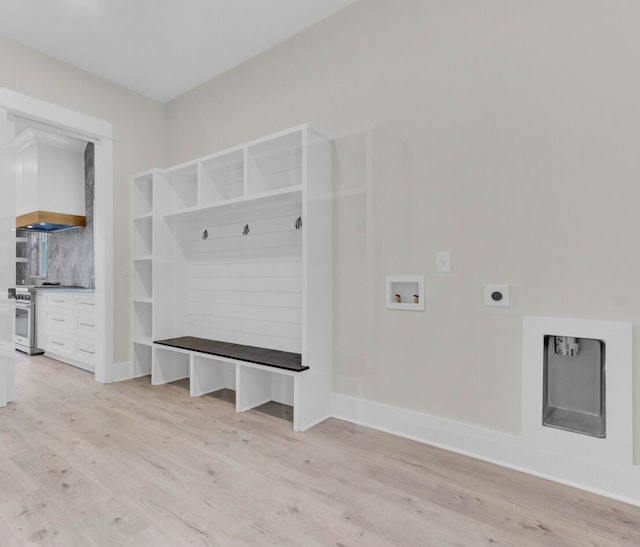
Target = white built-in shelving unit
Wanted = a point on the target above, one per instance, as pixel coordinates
(236, 247)
(142, 202)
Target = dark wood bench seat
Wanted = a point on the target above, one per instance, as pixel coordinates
(262, 356)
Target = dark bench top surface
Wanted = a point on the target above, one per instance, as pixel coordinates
(262, 356)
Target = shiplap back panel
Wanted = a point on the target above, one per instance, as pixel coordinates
(246, 289)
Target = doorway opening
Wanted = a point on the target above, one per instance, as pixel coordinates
(63, 121)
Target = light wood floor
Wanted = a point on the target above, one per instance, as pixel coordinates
(130, 464)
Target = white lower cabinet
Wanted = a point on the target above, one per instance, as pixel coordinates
(85, 351)
(59, 343)
(66, 327)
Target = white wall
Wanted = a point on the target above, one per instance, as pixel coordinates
(503, 131)
(138, 127)
(506, 132)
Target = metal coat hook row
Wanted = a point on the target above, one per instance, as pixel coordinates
(246, 229)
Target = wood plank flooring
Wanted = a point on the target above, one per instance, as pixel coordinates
(129, 464)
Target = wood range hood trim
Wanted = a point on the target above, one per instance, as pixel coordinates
(47, 221)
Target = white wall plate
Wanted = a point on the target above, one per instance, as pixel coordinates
(497, 296)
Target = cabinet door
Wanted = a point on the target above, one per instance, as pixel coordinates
(85, 303)
(85, 324)
(85, 351)
(59, 320)
(59, 343)
(59, 300)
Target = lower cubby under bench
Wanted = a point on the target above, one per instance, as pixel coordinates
(257, 375)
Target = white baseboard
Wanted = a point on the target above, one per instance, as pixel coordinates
(122, 371)
(615, 481)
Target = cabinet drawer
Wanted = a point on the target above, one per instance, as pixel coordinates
(85, 350)
(85, 303)
(85, 324)
(58, 343)
(59, 320)
(60, 300)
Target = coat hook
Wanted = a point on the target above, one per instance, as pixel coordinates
(246, 229)
(298, 223)
(205, 234)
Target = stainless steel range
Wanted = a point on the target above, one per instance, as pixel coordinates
(25, 331)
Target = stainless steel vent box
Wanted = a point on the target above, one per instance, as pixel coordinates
(574, 385)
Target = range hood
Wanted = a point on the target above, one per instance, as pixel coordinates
(47, 221)
(50, 192)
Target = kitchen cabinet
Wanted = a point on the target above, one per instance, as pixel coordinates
(235, 247)
(66, 326)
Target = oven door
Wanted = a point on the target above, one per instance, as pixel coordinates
(24, 332)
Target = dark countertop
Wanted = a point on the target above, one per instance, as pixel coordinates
(252, 354)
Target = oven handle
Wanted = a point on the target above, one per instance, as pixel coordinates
(24, 306)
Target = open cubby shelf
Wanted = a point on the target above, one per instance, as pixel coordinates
(232, 273)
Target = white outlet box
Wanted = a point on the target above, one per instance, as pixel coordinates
(497, 296)
(405, 292)
(443, 261)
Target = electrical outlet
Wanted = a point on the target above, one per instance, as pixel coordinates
(497, 296)
(443, 261)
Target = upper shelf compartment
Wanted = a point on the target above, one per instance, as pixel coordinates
(182, 184)
(142, 195)
(222, 177)
(258, 173)
(275, 163)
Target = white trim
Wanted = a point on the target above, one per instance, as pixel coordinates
(122, 371)
(617, 481)
(101, 132)
(103, 234)
(52, 114)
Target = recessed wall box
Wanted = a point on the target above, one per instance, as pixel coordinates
(405, 292)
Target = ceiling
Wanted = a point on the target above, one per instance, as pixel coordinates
(159, 48)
